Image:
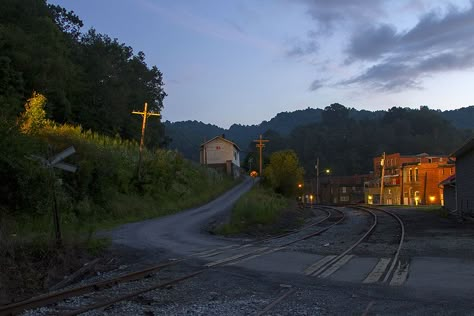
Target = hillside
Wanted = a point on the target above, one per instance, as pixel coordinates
(186, 136)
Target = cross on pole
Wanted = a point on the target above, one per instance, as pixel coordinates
(145, 114)
(260, 144)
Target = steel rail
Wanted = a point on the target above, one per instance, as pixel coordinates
(319, 231)
(276, 301)
(337, 258)
(133, 294)
(400, 244)
(50, 298)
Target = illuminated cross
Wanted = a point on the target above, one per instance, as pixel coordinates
(145, 114)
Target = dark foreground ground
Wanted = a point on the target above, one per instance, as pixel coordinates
(438, 248)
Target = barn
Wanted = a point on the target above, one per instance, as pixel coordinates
(221, 154)
(465, 178)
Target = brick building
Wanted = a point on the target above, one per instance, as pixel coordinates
(408, 179)
(420, 180)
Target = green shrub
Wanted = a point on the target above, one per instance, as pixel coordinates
(258, 207)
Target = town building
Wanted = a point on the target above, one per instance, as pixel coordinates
(221, 154)
(408, 179)
(464, 181)
(342, 189)
(449, 192)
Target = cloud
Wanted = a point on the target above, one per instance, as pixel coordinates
(402, 59)
(316, 85)
(330, 14)
(300, 48)
(397, 74)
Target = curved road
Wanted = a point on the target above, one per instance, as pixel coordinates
(181, 233)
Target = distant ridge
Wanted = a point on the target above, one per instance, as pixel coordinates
(188, 135)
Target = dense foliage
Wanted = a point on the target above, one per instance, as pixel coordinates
(88, 78)
(105, 187)
(283, 172)
(257, 210)
(345, 139)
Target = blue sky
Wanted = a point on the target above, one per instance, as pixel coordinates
(243, 61)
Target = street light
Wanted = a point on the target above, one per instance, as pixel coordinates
(326, 171)
(300, 187)
(432, 199)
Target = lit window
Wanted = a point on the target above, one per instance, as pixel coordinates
(416, 174)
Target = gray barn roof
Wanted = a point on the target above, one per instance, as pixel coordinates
(467, 147)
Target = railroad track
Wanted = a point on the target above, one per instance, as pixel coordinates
(50, 298)
(330, 264)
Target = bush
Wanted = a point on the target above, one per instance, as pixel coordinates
(258, 207)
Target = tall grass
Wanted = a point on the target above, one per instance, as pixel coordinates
(257, 208)
(105, 190)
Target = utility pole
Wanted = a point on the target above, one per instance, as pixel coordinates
(317, 181)
(145, 114)
(260, 144)
(382, 163)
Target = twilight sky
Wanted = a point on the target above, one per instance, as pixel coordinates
(243, 61)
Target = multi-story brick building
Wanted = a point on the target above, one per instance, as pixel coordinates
(408, 179)
(420, 180)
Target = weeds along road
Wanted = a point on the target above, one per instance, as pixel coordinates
(181, 232)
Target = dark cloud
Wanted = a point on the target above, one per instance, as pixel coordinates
(316, 84)
(437, 43)
(395, 74)
(433, 33)
(330, 14)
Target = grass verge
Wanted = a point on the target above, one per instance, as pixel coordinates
(261, 212)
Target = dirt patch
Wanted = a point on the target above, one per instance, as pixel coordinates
(432, 234)
(29, 269)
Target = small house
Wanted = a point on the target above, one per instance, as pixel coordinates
(221, 154)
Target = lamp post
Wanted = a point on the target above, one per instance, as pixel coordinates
(300, 189)
(327, 172)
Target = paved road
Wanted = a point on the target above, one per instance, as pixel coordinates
(181, 233)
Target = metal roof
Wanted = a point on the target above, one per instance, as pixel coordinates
(467, 147)
(222, 138)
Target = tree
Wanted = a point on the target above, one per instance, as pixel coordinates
(284, 172)
(34, 118)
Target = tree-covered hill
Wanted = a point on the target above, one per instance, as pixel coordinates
(88, 78)
(186, 136)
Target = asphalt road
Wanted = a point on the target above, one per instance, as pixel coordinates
(181, 233)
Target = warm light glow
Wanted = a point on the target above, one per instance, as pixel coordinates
(370, 197)
(327, 171)
(300, 185)
(432, 198)
(311, 197)
(254, 174)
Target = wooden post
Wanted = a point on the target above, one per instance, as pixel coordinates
(382, 163)
(260, 144)
(145, 114)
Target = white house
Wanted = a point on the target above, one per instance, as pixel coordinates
(222, 154)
